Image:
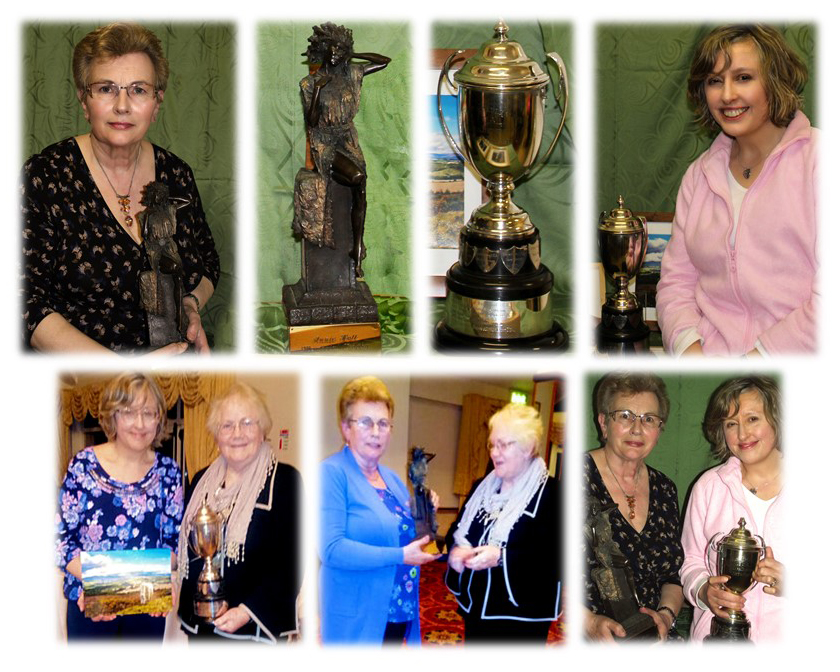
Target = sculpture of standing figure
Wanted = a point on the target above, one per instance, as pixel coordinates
(331, 100)
(162, 288)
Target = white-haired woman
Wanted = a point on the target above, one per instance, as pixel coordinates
(258, 497)
(504, 569)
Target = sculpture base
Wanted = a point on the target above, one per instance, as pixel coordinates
(498, 297)
(315, 337)
(638, 627)
(734, 629)
(343, 305)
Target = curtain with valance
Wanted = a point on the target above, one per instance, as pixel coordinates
(195, 389)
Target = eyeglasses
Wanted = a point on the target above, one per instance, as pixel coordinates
(502, 446)
(245, 425)
(133, 414)
(368, 424)
(628, 419)
(139, 92)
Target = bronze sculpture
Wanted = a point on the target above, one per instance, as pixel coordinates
(162, 288)
(422, 508)
(330, 195)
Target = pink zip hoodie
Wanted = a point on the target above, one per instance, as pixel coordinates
(763, 288)
(716, 504)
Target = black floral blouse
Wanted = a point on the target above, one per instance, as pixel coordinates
(655, 553)
(79, 261)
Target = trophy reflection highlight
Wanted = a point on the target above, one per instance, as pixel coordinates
(206, 539)
(498, 294)
(736, 556)
(622, 242)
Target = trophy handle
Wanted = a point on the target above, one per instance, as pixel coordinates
(562, 84)
(712, 566)
(444, 72)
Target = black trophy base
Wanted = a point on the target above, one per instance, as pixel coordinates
(621, 331)
(555, 339)
(724, 630)
(344, 305)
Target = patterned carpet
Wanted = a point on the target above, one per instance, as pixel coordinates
(439, 619)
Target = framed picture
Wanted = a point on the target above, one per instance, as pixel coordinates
(454, 190)
(127, 582)
(659, 233)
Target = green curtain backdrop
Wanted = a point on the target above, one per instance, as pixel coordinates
(646, 136)
(384, 127)
(548, 195)
(682, 453)
(196, 122)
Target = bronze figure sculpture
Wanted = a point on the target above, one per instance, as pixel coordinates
(162, 288)
(422, 508)
(330, 195)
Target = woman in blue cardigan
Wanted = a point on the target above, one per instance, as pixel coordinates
(369, 579)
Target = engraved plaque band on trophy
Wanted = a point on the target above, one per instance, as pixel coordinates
(498, 294)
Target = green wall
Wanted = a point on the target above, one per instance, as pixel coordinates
(384, 127)
(196, 122)
(547, 196)
(645, 133)
(682, 453)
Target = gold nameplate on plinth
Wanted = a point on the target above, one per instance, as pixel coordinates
(362, 337)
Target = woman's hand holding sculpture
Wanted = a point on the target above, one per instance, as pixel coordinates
(603, 628)
(413, 553)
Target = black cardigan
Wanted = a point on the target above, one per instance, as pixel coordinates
(527, 585)
(268, 580)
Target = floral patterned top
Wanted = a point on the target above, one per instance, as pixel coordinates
(78, 261)
(655, 553)
(404, 603)
(99, 513)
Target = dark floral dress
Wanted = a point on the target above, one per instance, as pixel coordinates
(99, 513)
(79, 261)
(404, 603)
(655, 553)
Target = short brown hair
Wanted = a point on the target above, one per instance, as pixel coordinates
(244, 392)
(783, 73)
(366, 388)
(726, 396)
(613, 385)
(113, 41)
(122, 392)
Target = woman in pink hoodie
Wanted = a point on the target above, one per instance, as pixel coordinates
(742, 426)
(739, 274)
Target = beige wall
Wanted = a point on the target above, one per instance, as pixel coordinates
(282, 391)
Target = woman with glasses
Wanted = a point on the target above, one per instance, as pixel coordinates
(640, 502)
(370, 558)
(83, 248)
(119, 495)
(258, 498)
(742, 427)
(504, 567)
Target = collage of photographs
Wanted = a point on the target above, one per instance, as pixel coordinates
(350, 333)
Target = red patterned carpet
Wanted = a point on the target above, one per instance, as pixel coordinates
(439, 619)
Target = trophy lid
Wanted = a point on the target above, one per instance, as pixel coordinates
(621, 220)
(501, 64)
(740, 537)
(206, 516)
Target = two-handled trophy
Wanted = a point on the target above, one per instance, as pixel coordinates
(206, 539)
(622, 242)
(735, 555)
(498, 294)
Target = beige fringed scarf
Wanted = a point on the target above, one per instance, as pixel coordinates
(236, 504)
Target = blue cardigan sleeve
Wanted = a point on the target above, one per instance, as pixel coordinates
(335, 548)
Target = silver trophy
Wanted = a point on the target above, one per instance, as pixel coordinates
(498, 294)
(206, 540)
(735, 555)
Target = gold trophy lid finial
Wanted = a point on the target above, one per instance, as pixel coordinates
(621, 220)
(501, 63)
(740, 537)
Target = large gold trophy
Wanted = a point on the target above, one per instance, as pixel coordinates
(736, 555)
(498, 294)
(622, 242)
(206, 539)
